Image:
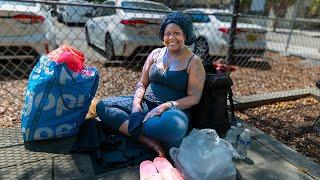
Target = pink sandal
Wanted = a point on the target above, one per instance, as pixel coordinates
(148, 171)
(167, 171)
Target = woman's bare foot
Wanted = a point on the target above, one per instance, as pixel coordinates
(152, 144)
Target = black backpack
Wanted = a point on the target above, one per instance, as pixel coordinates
(212, 110)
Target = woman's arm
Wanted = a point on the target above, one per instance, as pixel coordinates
(143, 83)
(197, 76)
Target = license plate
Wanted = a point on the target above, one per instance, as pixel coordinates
(251, 37)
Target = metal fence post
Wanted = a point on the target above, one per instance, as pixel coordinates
(275, 25)
(233, 31)
(293, 19)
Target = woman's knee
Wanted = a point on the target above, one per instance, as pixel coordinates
(175, 120)
(169, 128)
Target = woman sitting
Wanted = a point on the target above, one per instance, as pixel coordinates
(172, 81)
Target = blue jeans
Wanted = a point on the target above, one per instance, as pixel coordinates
(169, 128)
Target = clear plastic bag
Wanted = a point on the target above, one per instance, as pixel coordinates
(204, 156)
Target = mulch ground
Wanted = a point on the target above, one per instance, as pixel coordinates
(289, 122)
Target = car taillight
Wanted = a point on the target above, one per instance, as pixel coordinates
(27, 18)
(226, 30)
(134, 22)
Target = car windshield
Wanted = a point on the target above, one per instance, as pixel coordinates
(143, 5)
(198, 17)
(201, 17)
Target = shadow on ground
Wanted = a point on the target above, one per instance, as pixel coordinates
(57, 146)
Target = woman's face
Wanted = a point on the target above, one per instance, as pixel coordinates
(174, 38)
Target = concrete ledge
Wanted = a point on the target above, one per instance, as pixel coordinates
(301, 162)
(251, 101)
(268, 165)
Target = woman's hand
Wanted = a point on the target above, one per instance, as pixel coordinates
(157, 111)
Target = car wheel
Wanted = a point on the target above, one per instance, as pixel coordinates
(88, 38)
(109, 48)
(201, 48)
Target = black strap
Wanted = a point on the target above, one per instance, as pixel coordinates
(233, 117)
(189, 61)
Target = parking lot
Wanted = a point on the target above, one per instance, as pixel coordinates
(74, 35)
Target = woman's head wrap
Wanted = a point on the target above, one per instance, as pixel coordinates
(183, 21)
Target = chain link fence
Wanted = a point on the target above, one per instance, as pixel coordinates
(276, 43)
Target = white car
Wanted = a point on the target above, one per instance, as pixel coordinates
(212, 34)
(27, 31)
(74, 14)
(126, 32)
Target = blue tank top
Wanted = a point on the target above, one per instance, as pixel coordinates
(166, 85)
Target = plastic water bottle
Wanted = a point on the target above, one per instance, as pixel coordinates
(238, 130)
(244, 143)
(231, 136)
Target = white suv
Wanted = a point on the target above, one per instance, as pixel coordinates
(127, 30)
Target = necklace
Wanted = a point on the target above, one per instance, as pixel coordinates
(167, 62)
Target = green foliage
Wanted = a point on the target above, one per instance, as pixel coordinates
(315, 7)
(279, 7)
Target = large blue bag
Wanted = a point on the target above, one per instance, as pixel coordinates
(56, 100)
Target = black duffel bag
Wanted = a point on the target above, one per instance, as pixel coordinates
(212, 110)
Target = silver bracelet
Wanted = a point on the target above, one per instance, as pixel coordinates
(172, 104)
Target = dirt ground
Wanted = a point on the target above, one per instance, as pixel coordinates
(290, 122)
